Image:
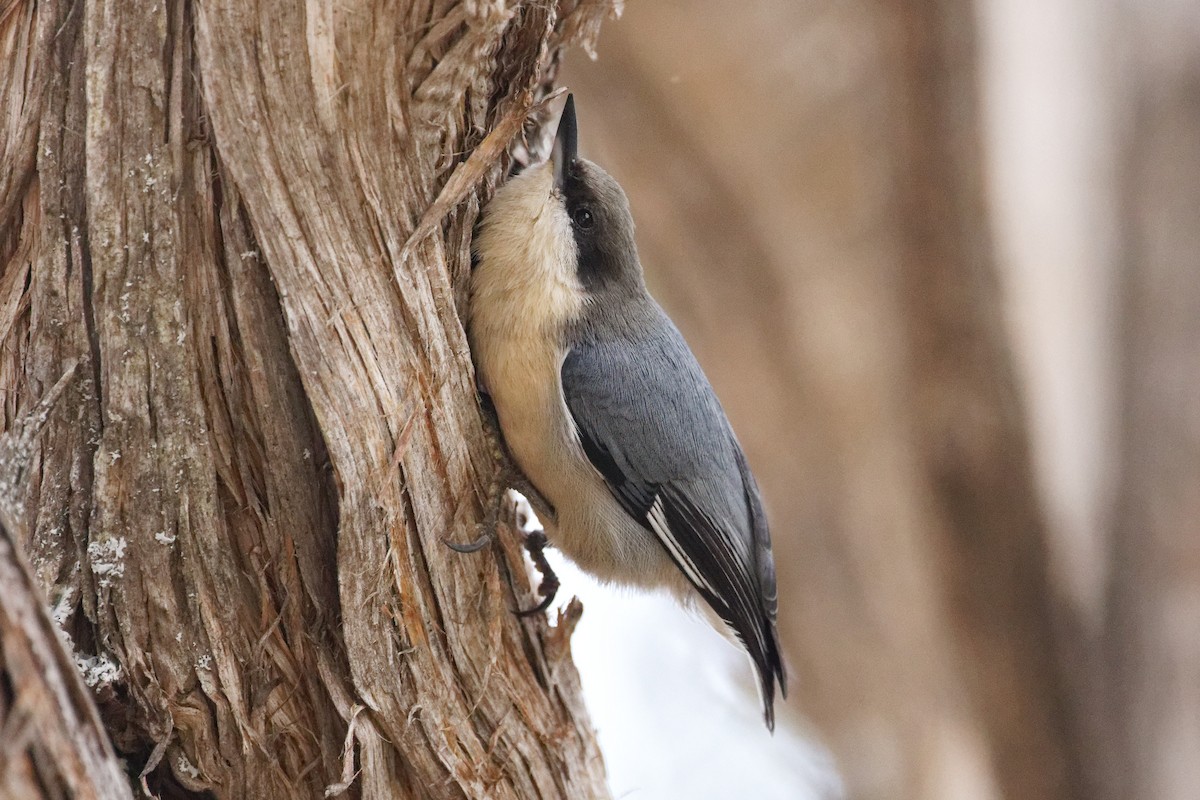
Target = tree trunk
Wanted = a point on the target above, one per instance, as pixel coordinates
(970, 432)
(269, 423)
(1153, 635)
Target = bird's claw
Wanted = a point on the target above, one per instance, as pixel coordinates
(471, 547)
(535, 543)
(540, 607)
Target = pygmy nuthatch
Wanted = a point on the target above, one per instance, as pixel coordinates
(605, 409)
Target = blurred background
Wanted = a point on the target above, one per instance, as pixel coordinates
(940, 261)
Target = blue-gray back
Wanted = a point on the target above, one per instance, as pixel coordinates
(652, 426)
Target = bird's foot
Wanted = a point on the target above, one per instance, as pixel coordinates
(495, 503)
(535, 543)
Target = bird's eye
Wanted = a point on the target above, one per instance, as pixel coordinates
(583, 217)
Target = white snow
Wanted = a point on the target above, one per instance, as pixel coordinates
(675, 706)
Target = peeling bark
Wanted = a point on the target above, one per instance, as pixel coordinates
(241, 497)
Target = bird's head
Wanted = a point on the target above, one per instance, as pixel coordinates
(565, 220)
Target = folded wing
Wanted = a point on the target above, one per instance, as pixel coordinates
(652, 427)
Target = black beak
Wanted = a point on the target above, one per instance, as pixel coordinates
(566, 143)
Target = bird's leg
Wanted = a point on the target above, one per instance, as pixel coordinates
(507, 475)
(491, 518)
(500, 482)
(485, 537)
(535, 543)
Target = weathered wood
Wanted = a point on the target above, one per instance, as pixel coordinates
(242, 499)
(52, 743)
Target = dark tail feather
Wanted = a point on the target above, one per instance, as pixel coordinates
(768, 663)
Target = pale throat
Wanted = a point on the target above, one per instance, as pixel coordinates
(525, 293)
(525, 283)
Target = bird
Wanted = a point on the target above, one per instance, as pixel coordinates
(605, 409)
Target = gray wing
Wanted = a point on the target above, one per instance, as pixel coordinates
(652, 426)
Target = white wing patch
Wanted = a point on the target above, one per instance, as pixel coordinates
(658, 523)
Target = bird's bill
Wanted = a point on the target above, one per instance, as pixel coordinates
(566, 142)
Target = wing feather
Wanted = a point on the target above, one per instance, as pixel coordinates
(651, 426)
